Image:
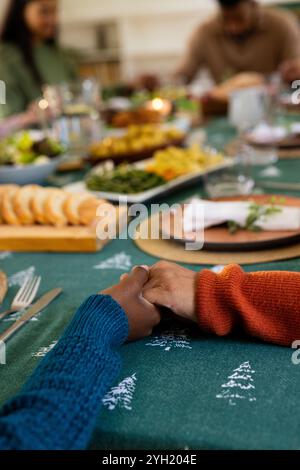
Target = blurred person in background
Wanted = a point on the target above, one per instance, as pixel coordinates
(290, 70)
(30, 56)
(19, 121)
(243, 37)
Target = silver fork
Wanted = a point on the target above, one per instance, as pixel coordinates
(25, 296)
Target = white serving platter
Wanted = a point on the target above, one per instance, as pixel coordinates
(163, 190)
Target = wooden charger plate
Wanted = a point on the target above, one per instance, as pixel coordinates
(219, 239)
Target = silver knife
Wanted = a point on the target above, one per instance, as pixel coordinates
(42, 303)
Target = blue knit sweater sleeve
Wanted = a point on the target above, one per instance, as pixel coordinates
(57, 408)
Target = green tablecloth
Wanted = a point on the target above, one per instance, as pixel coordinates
(178, 389)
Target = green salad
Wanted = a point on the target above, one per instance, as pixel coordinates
(123, 179)
(23, 149)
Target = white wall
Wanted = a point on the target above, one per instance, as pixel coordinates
(3, 4)
(105, 9)
(152, 33)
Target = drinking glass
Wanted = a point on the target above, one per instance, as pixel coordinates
(235, 180)
(75, 109)
(246, 109)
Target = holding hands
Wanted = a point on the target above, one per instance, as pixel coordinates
(142, 315)
(261, 304)
(142, 292)
(173, 287)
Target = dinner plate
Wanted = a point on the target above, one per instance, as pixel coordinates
(291, 141)
(285, 139)
(220, 239)
(159, 191)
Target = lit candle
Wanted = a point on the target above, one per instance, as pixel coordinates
(43, 106)
(163, 107)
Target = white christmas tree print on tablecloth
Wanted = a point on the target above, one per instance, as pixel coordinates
(240, 385)
(121, 396)
(19, 278)
(43, 351)
(217, 269)
(16, 316)
(5, 255)
(121, 262)
(174, 338)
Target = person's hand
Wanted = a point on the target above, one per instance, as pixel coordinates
(290, 70)
(28, 118)
(142, 315)
(173, 287)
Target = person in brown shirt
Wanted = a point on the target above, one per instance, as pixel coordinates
(242, 37)
(290, 70)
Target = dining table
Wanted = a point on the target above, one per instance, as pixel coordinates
(180, 388)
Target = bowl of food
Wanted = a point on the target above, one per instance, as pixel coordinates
(138, 143)
(28, 157)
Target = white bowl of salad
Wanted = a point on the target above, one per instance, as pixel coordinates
(28, 157)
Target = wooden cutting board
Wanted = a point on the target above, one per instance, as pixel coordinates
(3, 286)
(53, 239)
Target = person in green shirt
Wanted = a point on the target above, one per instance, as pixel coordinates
(29, 54)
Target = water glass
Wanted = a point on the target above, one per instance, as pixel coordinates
(75, 109)
(235, 180)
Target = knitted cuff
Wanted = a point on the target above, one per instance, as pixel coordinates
(215, 299)
(100, 317)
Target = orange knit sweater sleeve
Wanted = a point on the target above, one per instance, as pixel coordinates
(265, 305)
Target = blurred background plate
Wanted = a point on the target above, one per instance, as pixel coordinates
(29, 174)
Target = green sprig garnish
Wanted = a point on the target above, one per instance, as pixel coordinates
(256, 213)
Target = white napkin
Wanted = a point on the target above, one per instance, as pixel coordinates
(264, 133)
(295, 128)
(200, 214)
